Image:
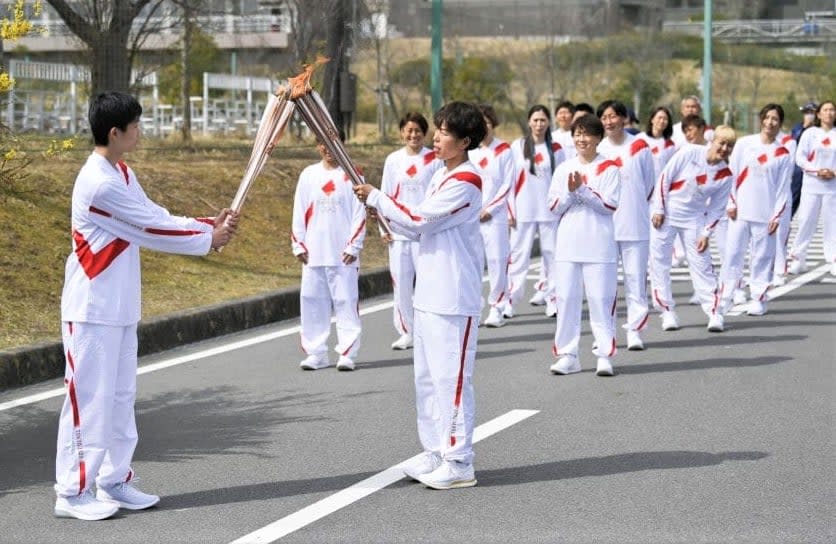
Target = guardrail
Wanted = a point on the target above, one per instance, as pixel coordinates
(763, 30)
(226, 24)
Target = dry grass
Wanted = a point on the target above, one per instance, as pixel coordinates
(36, 237)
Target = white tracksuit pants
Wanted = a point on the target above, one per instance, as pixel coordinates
(445, 353)
(324, 288)
(97, 430)
(782, 241)
(721, 234)
(600, 281)
(497, 248)
(761, 259)
(634, 258)
(403, 254)
(522, 238)
(809, 209)
(699, 267)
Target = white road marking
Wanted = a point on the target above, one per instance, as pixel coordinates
(349, 495)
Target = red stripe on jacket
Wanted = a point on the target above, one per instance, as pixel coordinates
(94, 263)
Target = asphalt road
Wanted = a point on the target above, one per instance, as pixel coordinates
(701, 438)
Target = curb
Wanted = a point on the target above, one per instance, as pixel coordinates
(44, 361)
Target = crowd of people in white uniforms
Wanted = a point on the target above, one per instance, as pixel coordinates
(634, 199)
(594, 194)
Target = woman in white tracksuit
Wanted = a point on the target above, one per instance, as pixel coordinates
(328, 230)
(495, 162)
(689, 200)
(632, 225)
(762, 168)
(448, 297)
(406, 175)
(584, 195)
(536, 157)
(816, 155)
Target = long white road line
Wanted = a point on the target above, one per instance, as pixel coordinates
(349, 495)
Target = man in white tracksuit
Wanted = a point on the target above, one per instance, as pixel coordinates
(494, 160)
(406, 175)
(447, 297)
(632, 224)
(688, 202)
(329, 227)
(758, 199)
(584, 195)
(112, 218)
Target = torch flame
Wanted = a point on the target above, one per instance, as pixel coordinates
(300, 85)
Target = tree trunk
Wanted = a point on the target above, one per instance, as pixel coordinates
(110, 64)
(336, 44)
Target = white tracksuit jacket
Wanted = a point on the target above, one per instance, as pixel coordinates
(447, 305)
(586, 253)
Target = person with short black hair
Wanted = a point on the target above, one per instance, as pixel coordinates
(564, 114)
(406, 175)
(448, 297)
(584, 195)
(111, 218)
(632, 228)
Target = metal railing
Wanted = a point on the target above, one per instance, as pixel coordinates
(225, 24)
(763, 30)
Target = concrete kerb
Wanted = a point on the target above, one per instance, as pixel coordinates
(31, 364)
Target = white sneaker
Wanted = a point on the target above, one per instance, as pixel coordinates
(551, 309)
(538, 299)
(604, 367)
(345, 363)
(495, 318)
(314, 362)
(778, 280)
(739, 296)
(567, 364)
(715, 323)
(127, 496)
(797, 267)
(695, 299)
(428, 462)
(634, 341)
(756, 307)
(85, 506)
(449, 475)
(404, 342)
(670, 321)
(507, 311)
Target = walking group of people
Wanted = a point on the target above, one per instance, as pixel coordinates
(592, 192)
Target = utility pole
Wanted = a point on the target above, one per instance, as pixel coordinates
(706, 62)
(435, 63)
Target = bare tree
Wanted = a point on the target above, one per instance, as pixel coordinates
(107, 28)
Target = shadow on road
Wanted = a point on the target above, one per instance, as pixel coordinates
(703, 364)
(186, 425)
(610, 464)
